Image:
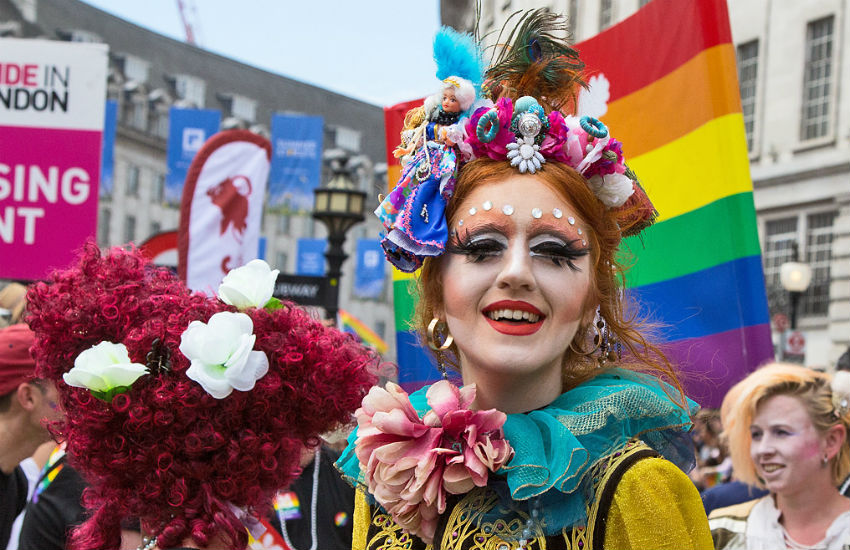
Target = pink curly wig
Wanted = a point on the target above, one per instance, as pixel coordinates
(166, 451)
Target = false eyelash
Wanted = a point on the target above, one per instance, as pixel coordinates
(561, 254)
(476, 250)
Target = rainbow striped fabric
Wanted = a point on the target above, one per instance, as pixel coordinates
(675, 105)
(673, 101)
(352, 324)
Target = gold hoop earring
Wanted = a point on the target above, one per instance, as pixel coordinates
(433, 334)
(597, 341)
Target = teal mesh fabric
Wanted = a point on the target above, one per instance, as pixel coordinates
(555, 446)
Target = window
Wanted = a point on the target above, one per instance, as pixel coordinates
(606, 14)
(103, 227)
(132, 180)
(818, 255)
(159, 188)
(156, 228)
(572, 17)
(817, 80)
(811, 233)
(135, 68)
(244, 108)
(381, 329)
(747, 78)
(642, 3)
(191, 89)
(129, 229)
(283, 224)
(280, 261)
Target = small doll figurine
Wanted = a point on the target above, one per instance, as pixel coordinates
(436, 117)
(432, 139)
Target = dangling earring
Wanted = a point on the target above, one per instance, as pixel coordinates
(602, 341)
(435, 328)
(824, 460)
(607, 344)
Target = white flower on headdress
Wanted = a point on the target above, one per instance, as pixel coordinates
(841, 391)
(593, 153)
(105, 370)
(251, 285)
(222, 354)
(612, 189)
(525, 154)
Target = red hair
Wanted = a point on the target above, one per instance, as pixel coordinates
(166, 451)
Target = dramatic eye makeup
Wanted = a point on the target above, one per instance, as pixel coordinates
(479, 244)
(489, 240)
(557, 249)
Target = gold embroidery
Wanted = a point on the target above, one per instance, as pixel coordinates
(387, 535)
(469, 526)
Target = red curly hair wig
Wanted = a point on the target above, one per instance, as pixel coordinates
(166, 451)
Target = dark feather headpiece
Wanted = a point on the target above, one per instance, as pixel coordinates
(537, 60)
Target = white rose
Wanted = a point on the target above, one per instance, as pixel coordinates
(222, 355)
(251, 285)
(612, 189)
(104, 367)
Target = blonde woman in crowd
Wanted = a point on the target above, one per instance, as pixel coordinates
(787, 432)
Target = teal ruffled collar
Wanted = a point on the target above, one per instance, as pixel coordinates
(556, 446)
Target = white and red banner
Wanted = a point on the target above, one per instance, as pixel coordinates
(222, 207)
(52, 97)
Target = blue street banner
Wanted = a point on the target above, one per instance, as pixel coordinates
(296, 161)
(107, 150)
(188, 130)
(311, 257)
(369, 275)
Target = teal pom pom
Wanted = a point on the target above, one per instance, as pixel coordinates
(457, 54)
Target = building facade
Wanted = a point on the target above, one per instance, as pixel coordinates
(793, 58)
(148, 73)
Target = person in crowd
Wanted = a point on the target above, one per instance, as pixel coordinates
(12, 303)
(186, 411)
(713, 466)
(317, 510)
(31, 466)
(787, 432)
(55, 506)
(26, 403)
(556, 439)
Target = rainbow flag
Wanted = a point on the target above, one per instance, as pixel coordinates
(352, 324)
(674, 103)
(415, 363)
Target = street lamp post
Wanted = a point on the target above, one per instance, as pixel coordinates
(795, 277)
(339, 206)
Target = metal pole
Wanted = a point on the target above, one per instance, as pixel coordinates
(335, 255)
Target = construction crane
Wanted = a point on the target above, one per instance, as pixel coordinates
(184, 17)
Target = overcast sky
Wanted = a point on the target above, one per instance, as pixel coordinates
(377, 51)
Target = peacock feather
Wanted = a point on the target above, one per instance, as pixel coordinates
(537, 60)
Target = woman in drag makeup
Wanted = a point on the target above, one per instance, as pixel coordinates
(570, 429)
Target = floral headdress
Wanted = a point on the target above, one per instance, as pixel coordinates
(519, 117)
(180, 406)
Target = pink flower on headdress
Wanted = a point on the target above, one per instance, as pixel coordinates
(553, 144)
(498, 148)
(576, 142)
(411, 464)
(610, 160)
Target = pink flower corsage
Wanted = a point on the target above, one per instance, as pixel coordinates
(411, 464)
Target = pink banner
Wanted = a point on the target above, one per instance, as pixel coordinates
(48, 197)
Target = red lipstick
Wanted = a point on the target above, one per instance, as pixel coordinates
(510, 328)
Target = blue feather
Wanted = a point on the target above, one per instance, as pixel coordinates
(457, 54)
